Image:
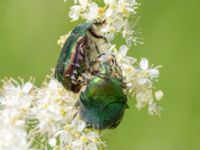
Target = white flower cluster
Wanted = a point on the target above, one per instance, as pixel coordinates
(42, 118)
(115, 13)
(15, 101)
(139, 78)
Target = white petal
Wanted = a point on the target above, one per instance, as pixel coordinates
(92, 146)
(123, 50)
(112, 47)
(92, 135)
(159, 94)
(110, 2)
(110, 37)
(52, 142)
(75, 12)
(154, 109)
(130, 60)
(141, 97)
(92, 13)
(118, 22)
(154, 73)
(53, 84)
(129, 85)
(108, 12)
(83, 3)
(93, 7)
(106, 29)
(129, 41)
(140, 105)
(78, 124)
(144, 64)
(142, 81)
(105, 57)
(27, 87)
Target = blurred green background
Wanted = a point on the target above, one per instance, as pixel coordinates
(29, 30)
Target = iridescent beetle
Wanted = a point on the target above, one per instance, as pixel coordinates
(75, 57)
(103, 103)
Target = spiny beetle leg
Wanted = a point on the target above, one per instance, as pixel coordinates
(98, 51)
(91, 30)
(92, 63)
(116, 67)
(98, 23)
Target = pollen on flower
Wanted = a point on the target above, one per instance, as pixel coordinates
(102, 10)
(125, 13)
(84, 139)
(113, 7)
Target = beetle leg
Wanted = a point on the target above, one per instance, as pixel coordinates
(95, 72)
(104, 76)
(91, 30)
(77, 104)
(98, 51)
(98, 23)
(78, 82)
(117, 68)
(97, 59)
(75, 114)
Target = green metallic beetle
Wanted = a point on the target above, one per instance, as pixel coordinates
(103, 103)
(75, 57)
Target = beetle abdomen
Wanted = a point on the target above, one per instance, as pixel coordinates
(103, 103)
(101, 116)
